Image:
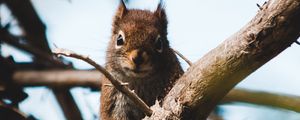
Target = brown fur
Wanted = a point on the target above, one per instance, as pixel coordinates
(141, 28)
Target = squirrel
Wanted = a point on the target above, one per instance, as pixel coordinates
(138, 54)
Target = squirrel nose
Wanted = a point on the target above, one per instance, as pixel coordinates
(137, 57)
(138, 60)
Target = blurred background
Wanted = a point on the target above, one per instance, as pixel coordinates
(84, 26)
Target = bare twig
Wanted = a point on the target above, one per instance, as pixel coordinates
(118, 85)
(261, 6)
(258, 6)
(182, 56)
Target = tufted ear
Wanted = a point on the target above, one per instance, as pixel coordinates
(161, 14)
(122, 10)
(160, 11)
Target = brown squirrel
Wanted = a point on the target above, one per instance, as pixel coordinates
(138, 54)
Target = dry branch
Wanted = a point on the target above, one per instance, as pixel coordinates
(289, 102)
(207, 81)
(58, 78)
(91, 79)
(182, 56)
(117, 84)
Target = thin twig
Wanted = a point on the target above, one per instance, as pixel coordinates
(180, 55)
(118, 85)
(260, 8)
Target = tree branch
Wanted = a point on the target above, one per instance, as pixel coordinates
(117, 84)
(182, 56)
(289, 102)
(209, 79)
(92, 79)
(58, 78)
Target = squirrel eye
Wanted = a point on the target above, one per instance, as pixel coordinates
(120, 40)
(158, 44)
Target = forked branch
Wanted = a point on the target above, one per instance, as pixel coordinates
(208, 80)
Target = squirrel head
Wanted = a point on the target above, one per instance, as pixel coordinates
(139, 42)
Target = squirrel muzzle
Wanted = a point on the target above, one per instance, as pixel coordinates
(138, 62)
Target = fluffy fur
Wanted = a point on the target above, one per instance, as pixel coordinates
(141, 29)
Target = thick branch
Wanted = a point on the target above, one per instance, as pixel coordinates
(208, 80)
(73, 78)
(58, 78)
(117, 84)
(264, 98)
(91, 79)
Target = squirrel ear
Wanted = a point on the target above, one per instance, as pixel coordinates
(160, 10)
(122, 10)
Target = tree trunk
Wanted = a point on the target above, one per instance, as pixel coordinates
(206, 82)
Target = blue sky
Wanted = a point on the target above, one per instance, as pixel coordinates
(195, 27)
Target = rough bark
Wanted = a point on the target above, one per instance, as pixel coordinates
(206, 82)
